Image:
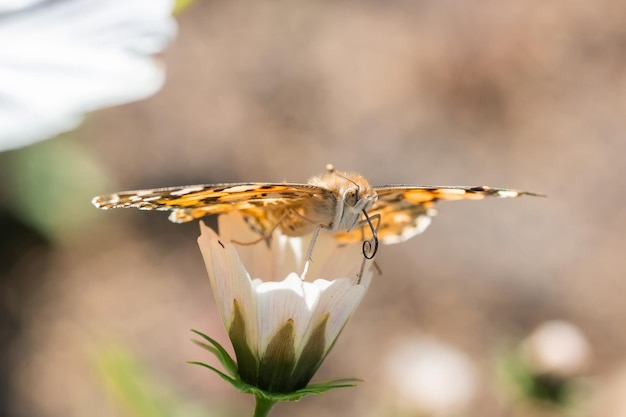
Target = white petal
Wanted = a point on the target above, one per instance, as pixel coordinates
(342, 261)
(339, 300)
(288, 254)
(273, 263)
(278, 302)
(256, 257)
(229, 281)
(304, 303)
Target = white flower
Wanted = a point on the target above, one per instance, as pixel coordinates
(430, 378)
(281, 326)
(62, 58)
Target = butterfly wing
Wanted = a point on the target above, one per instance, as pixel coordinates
(405, 211)
(400, 212)
(262, 201)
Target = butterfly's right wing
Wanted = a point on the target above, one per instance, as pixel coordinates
(406, 211)
(395, 217)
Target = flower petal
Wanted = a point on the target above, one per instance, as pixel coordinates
(230, 281)
(340, 299)
(256, 257)
(278, 302)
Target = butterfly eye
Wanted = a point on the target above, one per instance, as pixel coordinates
(351, 196)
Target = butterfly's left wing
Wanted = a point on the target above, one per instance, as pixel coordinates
(264, 202)
(406, 211)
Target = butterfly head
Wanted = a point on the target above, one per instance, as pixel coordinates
(354, 196)
(356, 193)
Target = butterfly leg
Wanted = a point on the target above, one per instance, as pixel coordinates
(309, 253)
(316, 232)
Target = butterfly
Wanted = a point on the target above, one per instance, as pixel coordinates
(343, 203)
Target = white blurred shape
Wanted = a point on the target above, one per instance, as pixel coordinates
(60, 59)
(558, 348)
(431, 378)
(10, 5)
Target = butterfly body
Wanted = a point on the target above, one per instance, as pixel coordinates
(340, 202)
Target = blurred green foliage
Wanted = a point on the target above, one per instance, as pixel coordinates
(49, 186)
(562, 396)
(136, 392)
(181, 5)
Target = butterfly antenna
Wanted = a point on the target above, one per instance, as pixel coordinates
(369, 248)
(331, 169)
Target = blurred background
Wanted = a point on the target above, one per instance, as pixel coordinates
(527, 94)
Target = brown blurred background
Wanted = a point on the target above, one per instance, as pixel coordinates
(525, 94)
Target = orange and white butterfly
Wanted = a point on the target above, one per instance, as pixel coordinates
(340, 202)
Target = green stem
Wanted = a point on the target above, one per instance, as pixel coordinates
(263, 407)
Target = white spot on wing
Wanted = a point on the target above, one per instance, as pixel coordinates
(187, 190)
(421, 224)
(104, 202)
(156, 197)
(459, 191)
(144, 193)
(508, 193)
(241, 188)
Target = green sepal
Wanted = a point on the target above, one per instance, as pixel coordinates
(216, 349)
(311, 389)
(234, 382)
(234, 379)
(278, 360)
(247, 361)
(311, 356)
